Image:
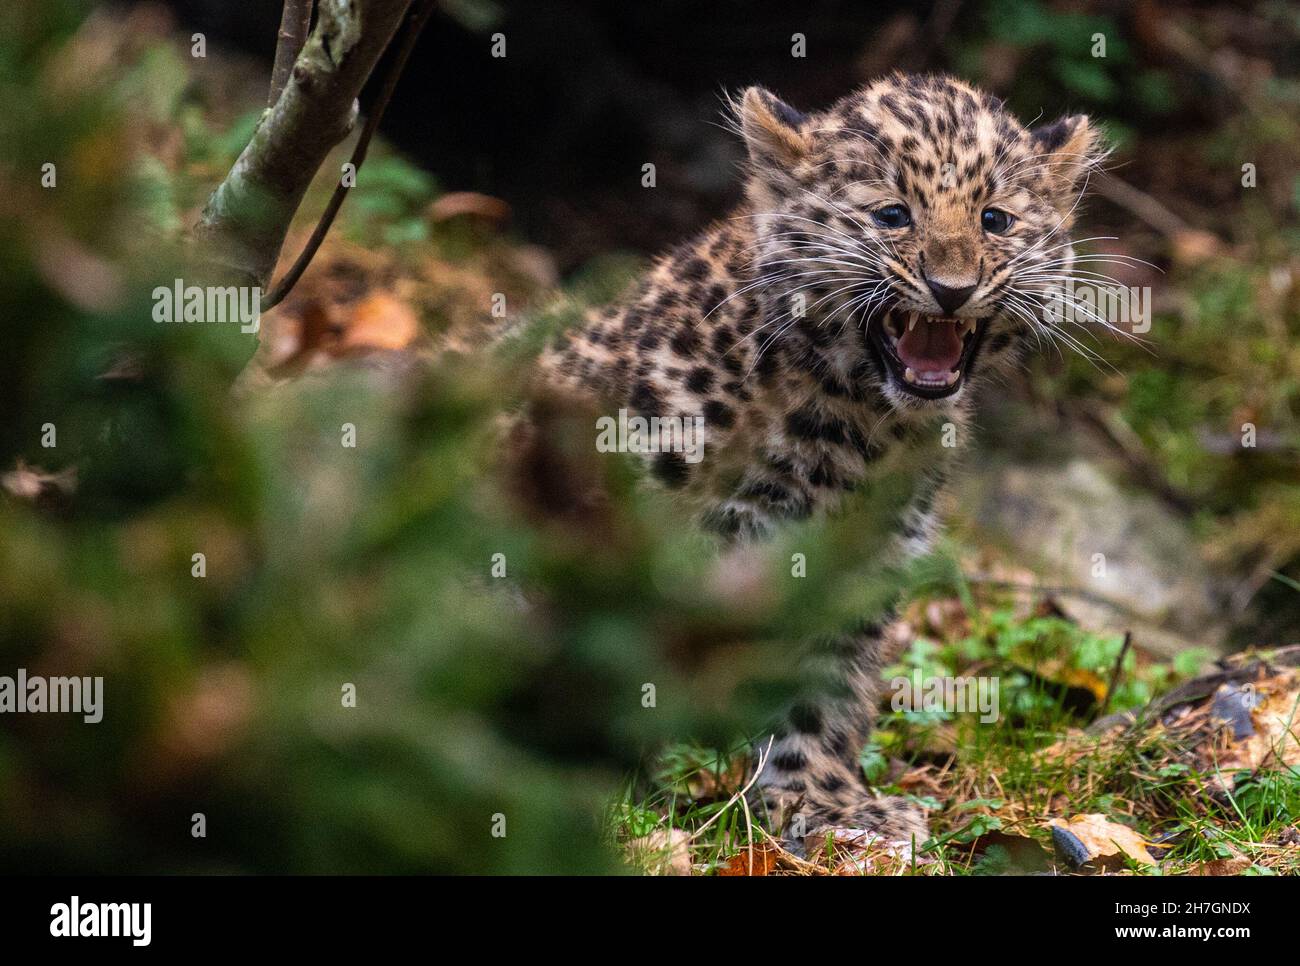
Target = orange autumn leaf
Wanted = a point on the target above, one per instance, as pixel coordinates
(380, 322)
(764, 859)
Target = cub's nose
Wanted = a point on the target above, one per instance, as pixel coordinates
(949, 299)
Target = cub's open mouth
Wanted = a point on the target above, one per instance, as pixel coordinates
(927, 355)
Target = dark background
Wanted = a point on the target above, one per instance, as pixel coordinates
(590, 91)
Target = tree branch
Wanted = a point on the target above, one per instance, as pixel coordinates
(295, 22)
(419, 17)
(245, 221)
(1140, 204)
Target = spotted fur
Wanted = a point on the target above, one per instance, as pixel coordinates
(769, 324)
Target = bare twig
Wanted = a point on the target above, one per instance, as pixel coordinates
(1047, 590)
(419, 17)
(1121, 438)
(1115, 672)
(295, 22)
(758, 770)
(1141, 205)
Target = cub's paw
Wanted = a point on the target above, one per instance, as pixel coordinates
(888, 821)
(892, 818)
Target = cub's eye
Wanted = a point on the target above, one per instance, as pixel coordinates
(995, 220)
(892, 216)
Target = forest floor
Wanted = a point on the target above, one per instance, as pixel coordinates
(1202, 781)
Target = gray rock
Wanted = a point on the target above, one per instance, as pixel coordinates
(1126, 561)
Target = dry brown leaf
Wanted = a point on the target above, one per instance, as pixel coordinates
(662, 852)
(709, 783)
(380, 322)
(1231, 866)
(457, 203)
(1276, 720)
(1070, 747)
(921, 781)
(1103, 839)
(857, 851)
(947, 619)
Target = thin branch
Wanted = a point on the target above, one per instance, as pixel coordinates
(295, 24)
(758, 770)
(1121, 438)
(419, 17)
(244, 224)
(1115, 672)
(1142, 205)
(1048, 590)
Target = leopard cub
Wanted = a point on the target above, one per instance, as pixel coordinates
(892, 252)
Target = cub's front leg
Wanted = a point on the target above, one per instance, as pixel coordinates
(812, 778)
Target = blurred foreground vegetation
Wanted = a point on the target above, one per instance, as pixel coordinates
(328, 566)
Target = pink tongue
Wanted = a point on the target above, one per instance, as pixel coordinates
(930, 347)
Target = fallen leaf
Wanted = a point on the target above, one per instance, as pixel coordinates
(857, 851)
(380, 322)
(457, 203)
(708, 783)
(920, 781)
(1232, 866)
(755, 861)
(947, 619)
(1269, 736)
(1094, 838)
(662, 852)
(1069, 748)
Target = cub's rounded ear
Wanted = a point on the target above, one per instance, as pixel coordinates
(774, 131)
(1070, 147)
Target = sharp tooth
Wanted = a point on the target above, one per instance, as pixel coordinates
(967, 326)
(953, 376)
(912, 322)
(909, 374)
